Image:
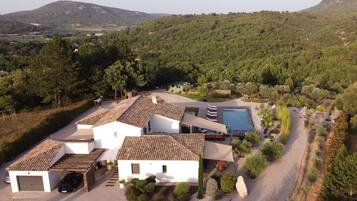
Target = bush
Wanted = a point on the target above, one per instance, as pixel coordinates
(241, 147)
(255, 165)
(149, 188)
(314, 173)
(212, 187)
(321, 130)
(181, 188)
(131, 193)
(318, 163)
(227, 183)
(139, 190)
(252, 137)
(55, 121)
(272, 151)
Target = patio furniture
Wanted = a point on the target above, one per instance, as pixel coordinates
(212, 108)
(212, 113)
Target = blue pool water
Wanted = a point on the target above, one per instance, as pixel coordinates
(237, 119)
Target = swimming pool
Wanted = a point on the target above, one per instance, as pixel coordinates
(237, 119)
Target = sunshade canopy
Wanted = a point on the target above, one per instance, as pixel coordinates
(192, 120)
(219, 152)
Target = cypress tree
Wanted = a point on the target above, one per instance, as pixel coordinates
(200, 179)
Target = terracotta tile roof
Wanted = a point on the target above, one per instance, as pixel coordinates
(39, 158)
(162, 147)
(135, 111)
(143, 108)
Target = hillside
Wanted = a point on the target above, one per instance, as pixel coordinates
(264, 47)
(77, 14)
(13, 27)
(334, 5)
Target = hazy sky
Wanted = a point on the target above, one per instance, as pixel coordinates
(175, 6)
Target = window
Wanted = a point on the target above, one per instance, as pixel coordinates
(164, 169)
(135, 168)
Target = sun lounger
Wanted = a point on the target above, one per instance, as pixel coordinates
(212, 115)
(212, 108)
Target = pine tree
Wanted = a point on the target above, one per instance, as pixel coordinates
(341, 182)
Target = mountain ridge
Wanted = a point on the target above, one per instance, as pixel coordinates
(72, 13)
(334, 6)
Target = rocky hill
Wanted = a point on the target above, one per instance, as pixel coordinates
(76, 14)
(334, 5)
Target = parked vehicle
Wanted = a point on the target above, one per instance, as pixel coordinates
(6, 178)
(70, 182)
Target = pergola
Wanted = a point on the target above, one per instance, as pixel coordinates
(193, 121)
(81, 163)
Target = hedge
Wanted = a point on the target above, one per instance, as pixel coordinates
(53, 122)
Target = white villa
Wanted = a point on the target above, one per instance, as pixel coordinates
(142, 135)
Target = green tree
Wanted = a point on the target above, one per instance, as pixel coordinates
(340, 183)
(55, 74)
(349, 99)
(116, 77)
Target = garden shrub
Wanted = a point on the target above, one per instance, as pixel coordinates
(227, 183)
(242, 147)
(285, 120)
(181, 188)
(252, 137)
(318, 162)
(255, 165)
(321, 130)
(140, 190)
(272, 150)
(313, 174)
(149, 187)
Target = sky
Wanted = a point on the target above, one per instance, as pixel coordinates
(175, 6)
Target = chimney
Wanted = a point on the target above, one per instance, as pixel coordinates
(154, 100)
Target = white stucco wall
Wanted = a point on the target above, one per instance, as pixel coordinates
(79, 147)
(177, 171)
(84, 126)
(112, 135)
(50, 179)
(160, 124)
